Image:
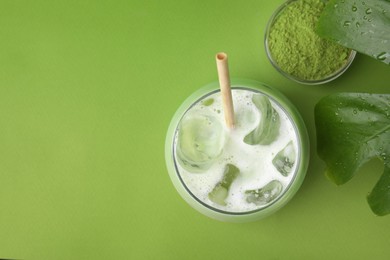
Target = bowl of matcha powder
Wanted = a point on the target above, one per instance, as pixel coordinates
(296, 51)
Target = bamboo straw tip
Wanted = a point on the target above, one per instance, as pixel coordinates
(221, 56)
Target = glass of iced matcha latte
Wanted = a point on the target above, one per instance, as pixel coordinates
(242, 173)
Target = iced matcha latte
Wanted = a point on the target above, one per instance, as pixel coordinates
(243, 173)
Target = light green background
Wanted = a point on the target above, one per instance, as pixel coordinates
(87, 90)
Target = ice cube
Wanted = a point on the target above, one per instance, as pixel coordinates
(268, 128)
(245, 117)
(221, 189)
(285, 159)
(266, 194)
(200, 141)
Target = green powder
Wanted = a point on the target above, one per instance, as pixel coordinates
(297, 49)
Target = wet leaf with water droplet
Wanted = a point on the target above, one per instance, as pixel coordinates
(371, 33)
(364, 135)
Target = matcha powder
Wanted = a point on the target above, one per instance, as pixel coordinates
(297, 49)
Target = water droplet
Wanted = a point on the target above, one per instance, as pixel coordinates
(347, 23)
(383, 11)
(335, 6)
(368, 10)
(357, 24)
(363, 3)
(370, 20)
(381, 56)
(354, 111)
(336, 113)
(365, 17)
(354, 8)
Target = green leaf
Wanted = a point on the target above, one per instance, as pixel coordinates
(379, 198)
(362, 25)
(221, 190)
(353, 128)
(268, 127)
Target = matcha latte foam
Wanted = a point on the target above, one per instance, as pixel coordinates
(243, 173)
(296, 50)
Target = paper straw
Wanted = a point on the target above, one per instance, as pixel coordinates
(224, 84)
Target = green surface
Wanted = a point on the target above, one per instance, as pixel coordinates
(87, 90)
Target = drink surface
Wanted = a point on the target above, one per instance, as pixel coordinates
(241, 169)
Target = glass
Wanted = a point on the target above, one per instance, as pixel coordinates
(219, 213)
(326, 79)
